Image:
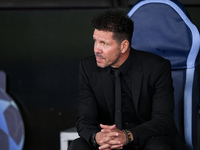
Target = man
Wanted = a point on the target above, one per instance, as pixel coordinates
(147, 104)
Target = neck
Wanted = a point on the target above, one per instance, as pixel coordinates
(123, 58)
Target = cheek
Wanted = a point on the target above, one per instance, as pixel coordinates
(112, 55)
(111, 52)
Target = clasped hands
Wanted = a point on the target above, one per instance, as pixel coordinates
(110, 137)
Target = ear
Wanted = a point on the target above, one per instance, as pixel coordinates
(124, 46)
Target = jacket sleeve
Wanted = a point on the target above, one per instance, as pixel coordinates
(87, 120)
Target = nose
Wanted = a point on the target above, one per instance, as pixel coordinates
(97, 48)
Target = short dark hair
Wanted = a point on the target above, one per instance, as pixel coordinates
(115, 21)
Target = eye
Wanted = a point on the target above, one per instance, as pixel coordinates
(103, 43)
(94, 41)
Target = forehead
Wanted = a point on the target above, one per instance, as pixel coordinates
(102, 35)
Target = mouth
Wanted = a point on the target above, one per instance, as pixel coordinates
(99, 57)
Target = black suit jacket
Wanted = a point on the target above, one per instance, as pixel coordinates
(152, 94)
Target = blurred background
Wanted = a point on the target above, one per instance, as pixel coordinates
(41, 43)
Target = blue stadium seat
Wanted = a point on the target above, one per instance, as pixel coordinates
(11, 123)
(164, 28)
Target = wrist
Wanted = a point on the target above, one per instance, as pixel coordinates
(93, 140)
(129, 136)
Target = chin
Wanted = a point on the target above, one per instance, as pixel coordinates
(101, 65)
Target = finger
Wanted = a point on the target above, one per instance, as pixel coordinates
(113, 130)
(105, 140)
(115, 142)
(116, 147)
(113, 127)
(104, 147)
(105, 130)
(106, 126)
(113, 134)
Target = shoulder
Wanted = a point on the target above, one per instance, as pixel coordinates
(150, 62)
(88, 65)
(147, 55)
(149, 58)
(88, 61)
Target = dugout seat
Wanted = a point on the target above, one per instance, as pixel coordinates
(164, 28)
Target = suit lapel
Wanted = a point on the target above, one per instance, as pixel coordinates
(137, 76)
(108, 89)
